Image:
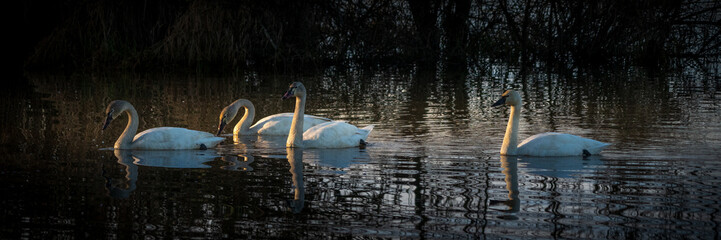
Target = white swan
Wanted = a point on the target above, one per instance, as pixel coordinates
(162, 138)
(326, 135)
(544, 144)
(277, 124)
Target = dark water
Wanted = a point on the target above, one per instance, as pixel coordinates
(432, 169)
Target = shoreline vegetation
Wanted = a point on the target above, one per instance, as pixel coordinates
(291, 36)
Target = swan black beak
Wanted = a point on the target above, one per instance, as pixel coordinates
(499, 102)
(108, 120)
(220, 128)
(288, 94)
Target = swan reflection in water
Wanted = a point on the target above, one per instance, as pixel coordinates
(295, 159)
(510, 170)
(131, 159)
(330, 157)
(131, 176)
(549, 167)
(234, 164)
(560, 167)
(339, 158)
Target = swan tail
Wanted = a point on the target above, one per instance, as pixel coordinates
(593, 150)
(365, 131)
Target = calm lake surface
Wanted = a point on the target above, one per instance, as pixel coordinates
(432, 168)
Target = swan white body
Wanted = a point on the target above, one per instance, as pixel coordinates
(279, 124)
(276, 125)
(162, 138)
(172, 138)
(332, 134)
(545, 144)
(335, 135)
(558, 144)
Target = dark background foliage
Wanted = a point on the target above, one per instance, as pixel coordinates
(281, 36)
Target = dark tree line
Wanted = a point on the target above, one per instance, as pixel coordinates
(274, 34)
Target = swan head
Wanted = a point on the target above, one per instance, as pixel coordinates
(296, 89)
(510, 98)
(113, 111)
(228, 114)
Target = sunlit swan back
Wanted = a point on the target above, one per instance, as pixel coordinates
(162, 138)
(277, 124)
(327, 135)
(544, 144)
(335, 135)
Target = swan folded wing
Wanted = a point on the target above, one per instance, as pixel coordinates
(273, 125)
(311, 121)
(365, 131)
(279, 124)
(290, 116)
(334, 135)
(174, 138)
(274, 117)
(316, 119)
(596, 148)
(558, 144)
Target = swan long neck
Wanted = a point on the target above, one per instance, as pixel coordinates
(510, 140)
(126, 138)
(244, 124)
(295, 136)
